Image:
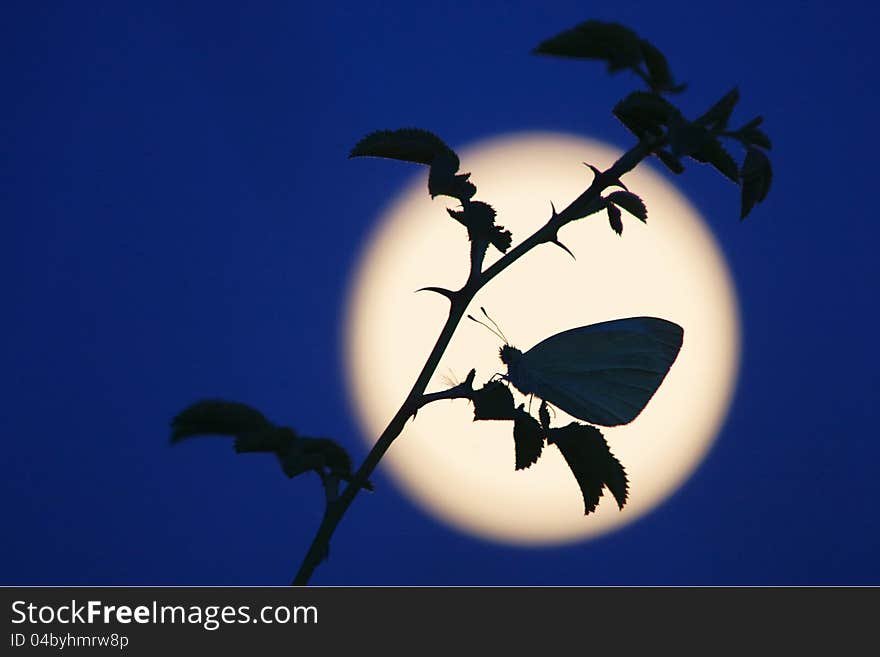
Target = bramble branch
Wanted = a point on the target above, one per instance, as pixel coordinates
(587, 203)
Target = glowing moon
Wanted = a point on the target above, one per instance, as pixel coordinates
(463, 471)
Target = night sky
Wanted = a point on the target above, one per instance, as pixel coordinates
(180, 221)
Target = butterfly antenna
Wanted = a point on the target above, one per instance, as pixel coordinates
(503, 337)
(493, 331)
(449, 378)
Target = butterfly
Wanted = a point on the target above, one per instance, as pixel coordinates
(602, 373)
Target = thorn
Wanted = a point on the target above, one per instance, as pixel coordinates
(555, 240)
(563, 247)
(596, 172)
(449, 294)
(616, 182)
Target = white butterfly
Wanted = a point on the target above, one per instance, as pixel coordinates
(603, 373)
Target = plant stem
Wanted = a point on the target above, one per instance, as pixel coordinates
(334, 512)
(460, 300)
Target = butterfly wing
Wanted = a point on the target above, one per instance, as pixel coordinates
(602, 373)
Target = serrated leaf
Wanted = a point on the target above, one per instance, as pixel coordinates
(272, 439)
(612, 43)
(755, 137)
(754, 123)
(314, 454)
(712, 152)
(479, 219)
(406, 144)
(645, 114)
(528, 439)
(659, 76)
(631, 203)
(422, 147)
(756, 175)
(501, 239)
(592, 463)
(717, 116)
(217, 417)
(670, 161)
(254, 433)
(544, 415)
(443, 179)
(493, 401)
(637, 125)
(686, 137)
(614, 218)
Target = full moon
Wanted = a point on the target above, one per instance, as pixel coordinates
(461, 471)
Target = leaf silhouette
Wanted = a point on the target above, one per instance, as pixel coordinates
(254, 433)
(756, 176)
(444, 181)
(528, 439)
(631, 203)
(421, 147)
(612, 43)
(493, 401)
(712, 152)
(218, 417)
(479, 219)
(614, 218)
(645, 114)
(406, 144)
(670, 161)
(306, 454)
(686, 137)
(591, 462)
(717, 116)
(751, 135)
(694, 140)
(544, 415)
(659, 75)
(755, 137)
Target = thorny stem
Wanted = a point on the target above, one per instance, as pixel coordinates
(459, 302)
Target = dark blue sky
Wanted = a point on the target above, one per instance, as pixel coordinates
(180, 221)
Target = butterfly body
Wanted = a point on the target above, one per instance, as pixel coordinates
(603, 373)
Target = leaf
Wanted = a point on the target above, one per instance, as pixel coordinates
(501, 239)
(755, 137)
(754, 123)
(528, 439)
(614, 218)
(406, 144)
(314, 454)
(670, 161)
(686, 137)
(712, 152)
(717, 116)
(659, 75)
(254, 433)
(493, 401)
(444, 181)
(544, 415)
(422, 147)
(479, 219)
(751, 135)
(645, 114)
(217, 417)
(592, 463)
(631, 203)
(756, 176)
(272, 439)
(612, 43)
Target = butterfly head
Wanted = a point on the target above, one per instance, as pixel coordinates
(510, 356)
